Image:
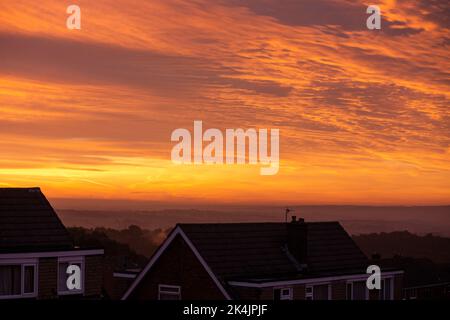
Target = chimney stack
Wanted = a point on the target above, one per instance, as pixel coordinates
(297, 239)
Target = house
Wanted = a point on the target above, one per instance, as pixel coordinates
(38, 259)
(434, 291)
(117, 282)
(423, 279)
(262, 261)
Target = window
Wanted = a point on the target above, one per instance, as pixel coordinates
(318, 292)
(309, 293)
(10, 280)
(349, 291)
(282, 293)
(167, 292)
(386, 289)
(63, 275)
(17, 280)
(321, 292)
(413, 294)
(357, 290)
(28, 279)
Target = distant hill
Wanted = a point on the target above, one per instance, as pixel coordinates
(355, 219)
(405, 244)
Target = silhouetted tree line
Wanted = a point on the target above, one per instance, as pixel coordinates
(124, 249)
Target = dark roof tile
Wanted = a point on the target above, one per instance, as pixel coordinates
(240, 250)
(29, 223)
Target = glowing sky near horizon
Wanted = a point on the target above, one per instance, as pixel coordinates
(363, 115)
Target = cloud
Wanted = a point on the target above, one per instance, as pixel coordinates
(349, 16)
(357, 110)
(345, 15)
(69, 61)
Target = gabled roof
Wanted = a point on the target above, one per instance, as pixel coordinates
(256, 252)
(28, 223)
(173, 234)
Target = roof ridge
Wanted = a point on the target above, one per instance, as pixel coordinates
(20, 188)
(249, 223)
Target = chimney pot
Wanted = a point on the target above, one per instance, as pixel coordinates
(294, 218)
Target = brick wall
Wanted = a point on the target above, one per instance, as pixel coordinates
(47, 278)
(93, 276)
(374, 294)
(266, 294)
(338, 290)
(178, 266)
(244, 293)
(299, 292)
(117, 286)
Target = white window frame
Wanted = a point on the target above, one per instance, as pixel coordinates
(311, 294)
(351, 284)
(289, 296)
(71, 260)
(413, 294)
(22, 263)
(161, 290)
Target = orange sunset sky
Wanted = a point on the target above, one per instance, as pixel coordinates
(363, 115)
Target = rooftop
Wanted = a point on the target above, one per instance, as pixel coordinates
(28, 223)
(258, 252)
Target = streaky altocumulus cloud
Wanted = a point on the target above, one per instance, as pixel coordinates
(68, 61)
(436, 11)
(347, 15)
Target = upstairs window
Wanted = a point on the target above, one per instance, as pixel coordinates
(28, 279)
(309, 292)
(69, 280)
(17, 280)
(282, 294)
(318, 292)
(386, 289)
(322, 292)
(413, 293)
(357, 290)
